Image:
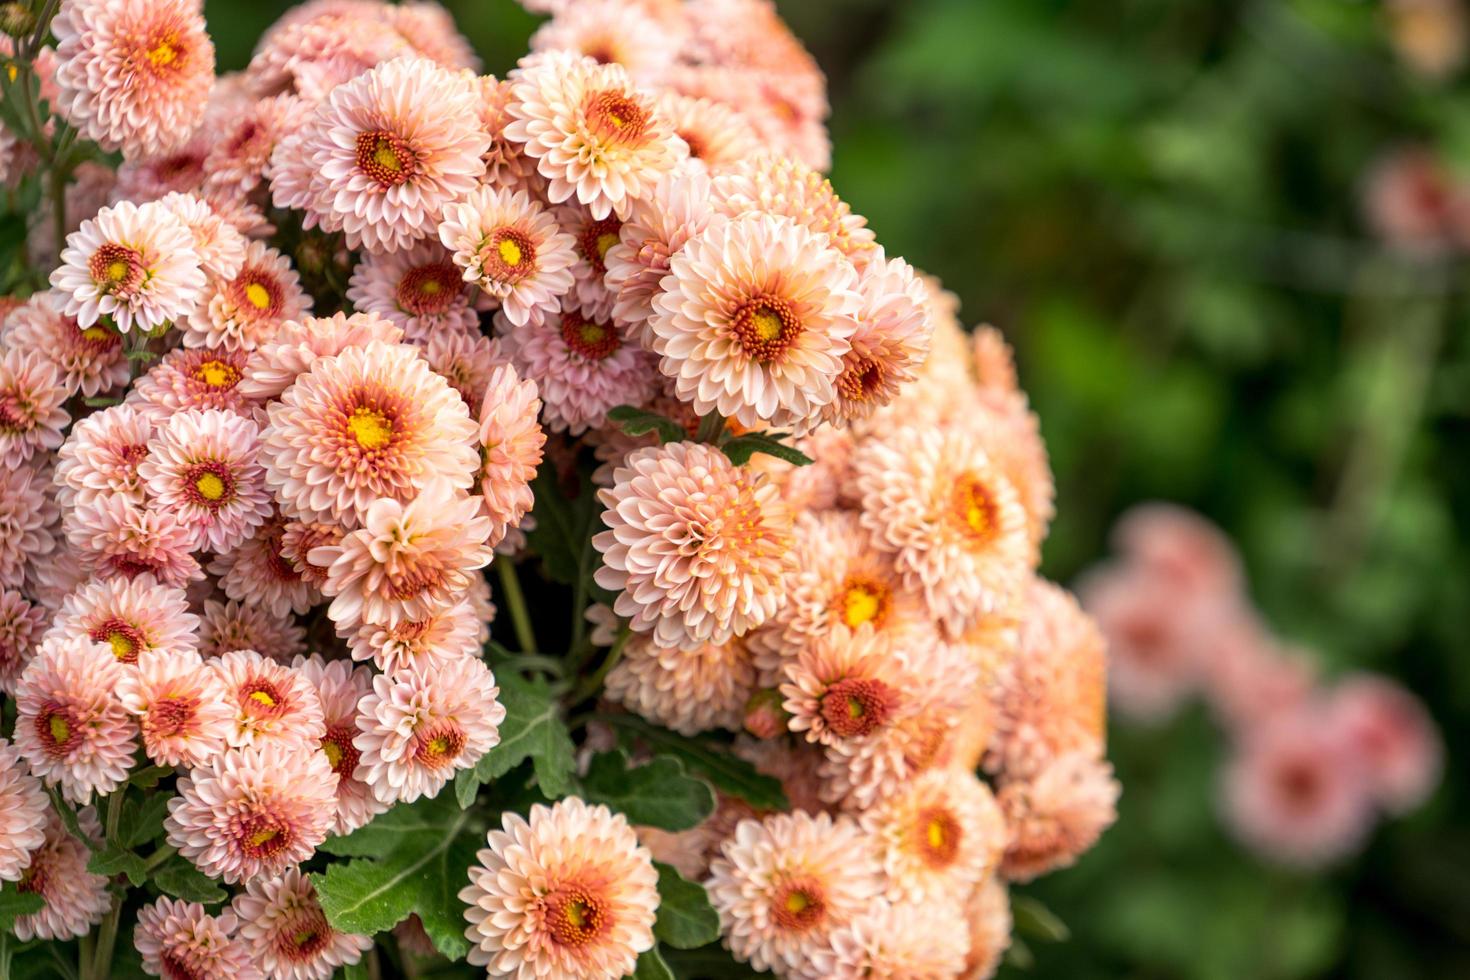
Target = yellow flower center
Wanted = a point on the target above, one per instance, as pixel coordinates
(123, 647)
(334, 753)
(798, 902)
(217, 374)
(605, 241)
(860, 605)
(510, 252)
(261, 697)
(430, 287)
(163, 54)
(370, 428)
(384, 156)
(936, 834)
(60, 730)
(262, 837)
(304, 938)
(258, 295)
(976, 508)
(210, 486)
(117, 270)
(766, 323)
(96, 334)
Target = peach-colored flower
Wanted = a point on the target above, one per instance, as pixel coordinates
(114, 536)
(23, 810)
(297, 542)
(298, 344)
(770, 183)
(133, 74)
(254, 812)
(938, 836)
(371, 425)
(697, 547)
(89, 362)
(32, 395)
(220, 246)
(567, 892)
(179, 171)
(235, 625)
(196, 378)
(271, 703)
(511, 442)
(70, 726)
(244, 132)
(21, 626)
(247, 309)
(444, 634)
(182, 708)
(129, 615)
(467, 359)
(689, 691)
(612, 32)
(260, 573)
(315, 47)
(341, 687)
(179, 939)
(847, 684)
(284, 927)
(676, 209)
(1182, 545)
(506, 164)
(1057, 813)
(76, 899)
(203, 468)
(753, 321)
(27, 514)
(1392, 737)
(510, 246)
(593, 237)
(419, 289)
(988, 913)
(101, 456)
(718, 137)
(891, 340)
(896, 941)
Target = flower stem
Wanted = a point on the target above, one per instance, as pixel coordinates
(710, 428)
(515, 601)
(592, 682)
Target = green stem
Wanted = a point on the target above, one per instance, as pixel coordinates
(86, 957)
(159, 856)
(711, 427)
(515, 601)
(43, 27)
(107, 935)
(593, 682)
(533, 661)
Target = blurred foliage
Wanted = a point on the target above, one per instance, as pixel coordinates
(1159, 202)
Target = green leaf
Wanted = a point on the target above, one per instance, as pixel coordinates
(741, 448)
(532, 729)
(711, 962)
(1019, 955)
(565, 519)
(68, 815)
(686, 920)
(113, 860)
(639, 421)
(728, 773)
(14, 904)
(358, 970)
(651, 966)
(178, 877)
(142, 822)
(1037, 921)
(149, 776)
(659, 794)
(419, 869)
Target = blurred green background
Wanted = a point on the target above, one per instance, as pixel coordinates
(1159, 202)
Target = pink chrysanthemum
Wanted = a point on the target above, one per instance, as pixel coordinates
(89, 362)
(179, 940)
(989, 916)
(133, 74)
(718, 137)
(1181, 544)
(612, 32)
(444, 634)
(419, 289)
(298, 540)
(76, 899)
(388, 150)
(593, 237)
(406, 561)
(315, 47)
(297, 345)
(696, 546)
(101, 456)
(1057, 814)
(1393, 738)
(949, 517)
(27, 514)
(260, 573)
(135, 264)
(182, 708)
(151, 178)
(677, 209)
(114, 536)
(939, 836)
(23, 809)
(70, 725)
(271, 703)
(569, 892)
(783, 885)
(202, 467)
(596, 138)
(425, 722)
(511, 444)
(282, 923)
(234, 625)
(689, 691)
(583, 366)
(21, 626)
(244, 138)
(194, 378)
(510, 246)
(896, 941)
(220, 246)
(246, 310)
(341, 687)
(253, 813)
(129, 616)
(506, 164)
(32, 396)
(754, 319)
(891, 340)
(370, 425)
(467, 359)
(770, 183)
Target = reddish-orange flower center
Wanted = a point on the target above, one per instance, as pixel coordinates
(439, 745)
(262, 699)
(595, 238)
(58, 728)
(616, 117)
(340, 752)
(209, 485)
(261, 835)
(589, 339)
(863, 600)
(936, 836)
(213, 373)
(975, 509)
(861, 379)
(124, 638)
(854, 707)
(257, 293)
(765, 326)
(170, 716)
(508, 255)
(386, 158)
(799, 904)
(575, 916)
(302, 935)
(117, 268)
(427, 290)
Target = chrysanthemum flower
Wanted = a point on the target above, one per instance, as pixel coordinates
(23, 810)
(235, 625)
(511, 247)
(89, 362)
(370, 425)
(179, 171)
(70, 725)
(847, 684)
(989, 916)
(569, 892)
(298, 540)
(220, 246)
(388, 150)
(718, 137)
(511, 444)
(593, 237)
(32, 396)
(247, 309)
(1181, 544)
(582, 364)
(423, 723)
(282, 923)
(244, 136)
(697, 547)
(272, 704)
(689, 691)
(202, 467)
(612, 32)
(949, 517)
(182, 708)
(21, 626)
(596, 138)
(1393, 738)
(76, 899)
(771, 183)
(891, 340)
(101, 455)
(253, 813)
(298, 344)
(1057, 814)
(341, 687)
(754, 319)
(193, 378)
(114, 536)
(133, 263)
(896, 941)
(420, 289)
(133, 74)
(466, 359)
(129, 616)
(180, 939)
(444, 634)
(315, 47)
(26, 517)
(260, 573)
(783, 885)
(506, 163)
(939, 836)
(676, 209)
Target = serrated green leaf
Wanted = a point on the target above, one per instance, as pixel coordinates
(640, 421)
(113, 860)
(686, 920)
(728, 773)
(1035, 920)
(142, 822)
(179, 878)
(14, 904)
(651, 966)
(741, 448)
(421, 871)
(658, 794)
(533, 729)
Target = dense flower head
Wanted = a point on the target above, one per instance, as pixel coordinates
(512, 248)
(193, 378)
(221, 247)
(26, 518)
(32, 399)
(263, 574)
(341, 688)
(1057, 813)
(24, 808)
(181, 939)
(88, 361)
(287, 933)
(247, 308)
(689, 691)
(419, 289)
(182, 708)
(271, 703)
(203, 468)
(511, 443)
(130, 616)
(76, 899)
(21, 625)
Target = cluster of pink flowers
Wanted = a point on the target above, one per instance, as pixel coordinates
(1314, 763)
(283, 402)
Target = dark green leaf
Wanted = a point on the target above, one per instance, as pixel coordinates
(149, 776)
(639, 421)
(1037, 921)
(686, 920)
(179, 878)
(532, 729)
(14, 904)
(659, 794)
(741, 448)
(68, 815)
(142, 822)
(651, 966)
(118, 861)
(565, 519)
(728, 773)
(711, 962)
